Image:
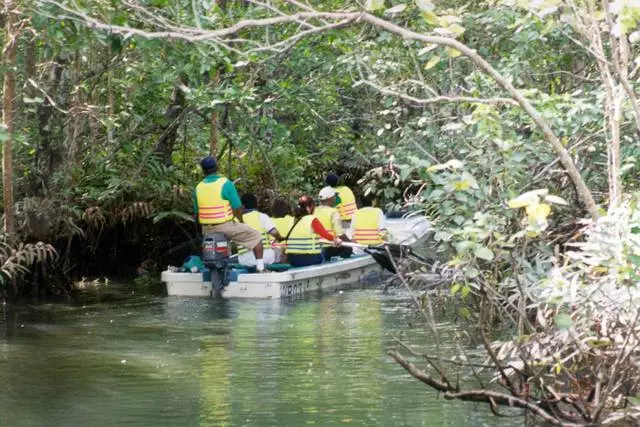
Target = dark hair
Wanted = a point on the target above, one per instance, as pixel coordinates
(249, 201)
(303, 203)
(368, 200)
(331, 180)
(280, 208)
(209, 165)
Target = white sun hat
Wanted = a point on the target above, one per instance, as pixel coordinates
(327, 193)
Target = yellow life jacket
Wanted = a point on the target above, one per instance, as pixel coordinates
(212, 208)
(347, 206)
(283, 225)
(367, 226)
(302, 239)
(324, 213)
(252, 219)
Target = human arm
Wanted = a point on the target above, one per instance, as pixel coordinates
(195, 204)
(382, 226)
(318, 228)
(267, 223)
(336, 225)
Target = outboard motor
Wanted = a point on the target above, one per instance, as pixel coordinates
(215, 256)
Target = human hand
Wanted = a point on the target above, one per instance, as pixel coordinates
(337, 241)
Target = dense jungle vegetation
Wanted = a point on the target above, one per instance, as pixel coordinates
(511, 124)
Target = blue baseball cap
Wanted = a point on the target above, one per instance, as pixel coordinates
(332, 180)
(208, 163)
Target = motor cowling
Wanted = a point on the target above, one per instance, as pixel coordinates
(215, 248)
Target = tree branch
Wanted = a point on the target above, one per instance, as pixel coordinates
(485, 396)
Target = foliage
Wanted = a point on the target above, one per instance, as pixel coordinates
(118, 101)
(17, 258)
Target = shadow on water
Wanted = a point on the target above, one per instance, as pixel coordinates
(149, 360)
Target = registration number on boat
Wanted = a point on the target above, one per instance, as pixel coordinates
(296, 288)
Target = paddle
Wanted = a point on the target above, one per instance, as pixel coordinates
(381, 255)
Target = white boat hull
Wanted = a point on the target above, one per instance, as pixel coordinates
(300, 281)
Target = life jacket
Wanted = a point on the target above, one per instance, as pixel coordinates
(283, 225)
(324, 213)
(252, 219)
(347, 206)
(302, 239)
(212, 208)
(367, 226)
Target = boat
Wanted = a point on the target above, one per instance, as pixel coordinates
(360, 267)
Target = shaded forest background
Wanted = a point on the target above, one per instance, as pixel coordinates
(109, 127)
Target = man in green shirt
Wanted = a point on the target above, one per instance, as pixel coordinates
(217, 203)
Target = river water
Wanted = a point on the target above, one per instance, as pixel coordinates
(166, 361)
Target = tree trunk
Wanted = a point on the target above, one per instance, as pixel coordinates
(8, 110)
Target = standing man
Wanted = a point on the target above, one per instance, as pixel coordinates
(216, 203)
(345, 200)
(330, 219)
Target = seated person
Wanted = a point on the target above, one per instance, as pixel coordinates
(330, 219)
(368, 224)
(345, 200)
(216, 204)
(282, 219)
(303, 245)
(261, 222)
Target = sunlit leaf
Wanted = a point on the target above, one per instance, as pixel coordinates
(555, 199)
(527, 198)
(453, 53)
(538, 211)
(430, 17)
(425, 5)
(374, 5)
(395, 9)
(432, 62)
(456, 29)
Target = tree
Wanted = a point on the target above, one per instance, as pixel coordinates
(8, 109)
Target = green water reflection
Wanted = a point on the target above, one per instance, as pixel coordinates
(199, 362)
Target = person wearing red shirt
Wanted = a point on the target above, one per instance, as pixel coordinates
(303, 246)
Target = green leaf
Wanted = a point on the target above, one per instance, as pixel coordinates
(563, 321)
(374, 5)
(430, 17)
(432, 62)
(465, 291)
(465, 313)
(471, 272)
(455, 288)
(635, 259)
(634, 400)
(484, 253)
(453, 53)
